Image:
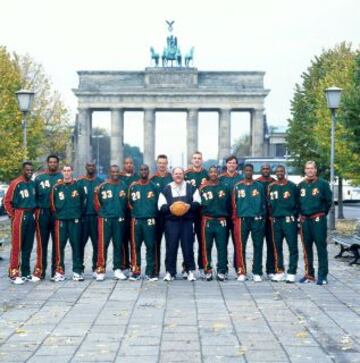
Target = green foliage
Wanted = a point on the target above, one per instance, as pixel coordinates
(242, 146)
(308, 135)
(47, 124)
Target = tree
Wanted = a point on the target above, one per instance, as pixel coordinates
(48, 122)
(11, 151)
(308, 135)
(49, 127)
(242, 146)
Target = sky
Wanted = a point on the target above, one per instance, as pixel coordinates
(279, 37)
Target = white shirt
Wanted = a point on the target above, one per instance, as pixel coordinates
(178, 191)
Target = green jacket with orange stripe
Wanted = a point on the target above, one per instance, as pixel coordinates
(20, 195)
(110, 199)
(67, 200)
(143, 198)
(195, 178)
(249, 199)
(215, 200)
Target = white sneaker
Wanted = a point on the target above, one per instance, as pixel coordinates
(290, 278)
(94, 274)
(191, 276)
(99, 276)
(280, 276)
(202, 274)
(78, 277)
(221, 277)
(119, 275)
(34, 278)
(209, 276)
(18, 280)
(184, 275)
(168, 277)
(59, 277)
(135, 277)
(149, 278)
(271, 276)
(257, 278)
(241, 278)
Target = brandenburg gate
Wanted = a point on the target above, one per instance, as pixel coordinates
(168, 88)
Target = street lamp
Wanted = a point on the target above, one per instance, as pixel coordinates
(98, 151)
(25, 99)
(333, 96)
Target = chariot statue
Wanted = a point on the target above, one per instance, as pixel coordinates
(171, 55)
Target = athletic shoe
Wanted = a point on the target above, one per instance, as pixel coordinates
(290, 278)
(135, 277)
(306, 280)
(119, 275)
(209, 276)
(52, 278)
(321, 281)
(18, 280)
(184, 274)
(202, 274)
(59, 277)
(33, 278)
(151, 278)
(78, 277)
(220, 276)
(99, 276)
(168, 277)
(126, 272)
(226, 275)
(257, 278)
(191, 276)
(94, 274)
(242, 278)
(280, 276)
(270, 276)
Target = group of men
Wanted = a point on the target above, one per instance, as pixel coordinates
(130, 209)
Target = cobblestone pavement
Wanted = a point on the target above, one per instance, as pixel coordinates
(124, 321)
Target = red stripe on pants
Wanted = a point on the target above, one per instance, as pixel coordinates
(16, 228)
(239, 260)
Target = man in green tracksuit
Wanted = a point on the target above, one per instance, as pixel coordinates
(229, 178)
(216, 205)
(44, 219)
(196, 175)
(315, 203)
(67, 203)
(110, 200)
(20, 203)
(249, 210)
(128, 176)
(161, 178)
(143, 197)
(265, 179)
(283, 201)
(89, 220)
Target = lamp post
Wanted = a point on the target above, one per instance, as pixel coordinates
(333, 96)
(98, 151)
(25, 99)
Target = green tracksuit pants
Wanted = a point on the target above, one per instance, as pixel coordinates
(22, 240)
(110, 229)
(285, 227)
(143, 230)
(214, 229)
(242, 228)
(67, 229)
(45, 227)
(89, 229)
(314, 230)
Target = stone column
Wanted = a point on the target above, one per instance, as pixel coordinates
(224, 144)
(149, 138)
(257, 132)
(83, 152)
(117, 137)
(192, 123)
